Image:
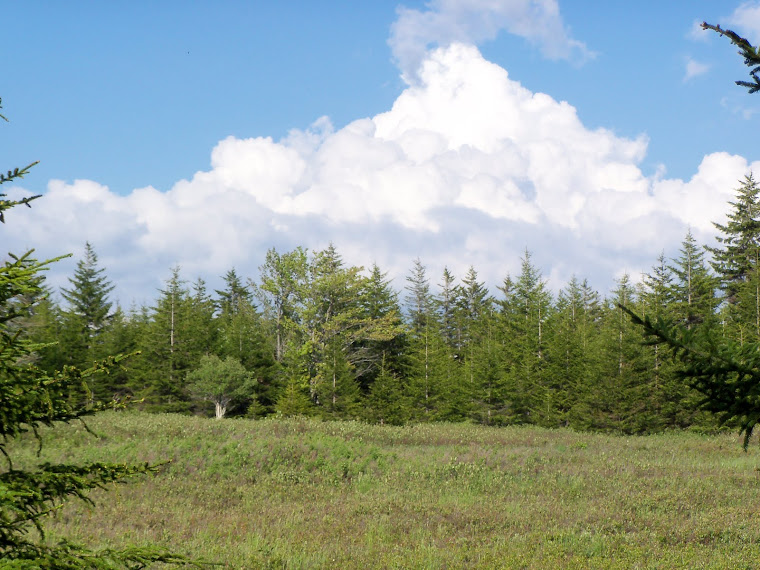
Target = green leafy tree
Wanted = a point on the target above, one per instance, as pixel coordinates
(221, 382)
(282, 285)
(29, 399)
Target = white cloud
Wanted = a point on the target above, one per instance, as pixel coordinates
(697, 32)
(694, 69)
(746, 21)
(473, 21)
(467, 167)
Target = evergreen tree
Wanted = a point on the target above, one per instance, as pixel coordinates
(693, 291)
(29, 399)
(235, 296)
(385, 348)
(485, 368)
(750, 54)
(241, 335)
(695, 304)
(615, 401)
(661, 393)
(530, 308)
(737, 261)
(167, 349)
(575, 363)
(427, 351)
(386, 403)
(476, 353)
(447, 304)
(202, 327)
(89, 309)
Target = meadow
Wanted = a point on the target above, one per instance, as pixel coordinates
(304, 493)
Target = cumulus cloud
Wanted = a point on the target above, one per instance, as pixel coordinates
(473, 21)
(467, 167)
(694, 69)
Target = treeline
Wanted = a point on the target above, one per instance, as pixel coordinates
(315, 336)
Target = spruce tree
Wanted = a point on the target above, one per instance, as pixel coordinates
(89, 309)
(737, 263)
(615, 401)
(750, 53)
(427, 350)
(380, 308)
(167, 349)
(574, 346)
(31, 398)
(475, 385)
(726, 372)
(531, 307)
(694, 287)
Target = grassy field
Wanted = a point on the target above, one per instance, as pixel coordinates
(308, 494)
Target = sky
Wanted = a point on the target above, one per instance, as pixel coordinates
(592, 135)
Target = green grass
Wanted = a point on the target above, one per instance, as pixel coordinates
(309, 494)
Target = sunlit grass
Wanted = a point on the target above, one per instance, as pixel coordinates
(308, 494)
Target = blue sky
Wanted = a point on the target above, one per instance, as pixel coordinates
(202, 134)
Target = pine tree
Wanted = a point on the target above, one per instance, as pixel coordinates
(695, 304)
(167, 349)
(574, 346)
(241, 335)
(693, 291)
(89, 309)
(661, 391)
(386, 402)
(447, 298)
(616, 400)
(427, 350)
(385, 348)
(29, 399)
(750, 54)
(724, 371)
(737, 262)
(476, 355)
(531, 306)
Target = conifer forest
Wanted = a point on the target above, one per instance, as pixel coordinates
(313, 336)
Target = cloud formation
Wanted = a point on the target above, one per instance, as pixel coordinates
(745, 19)
(473, 21)
(694, 69)
(467, 167)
